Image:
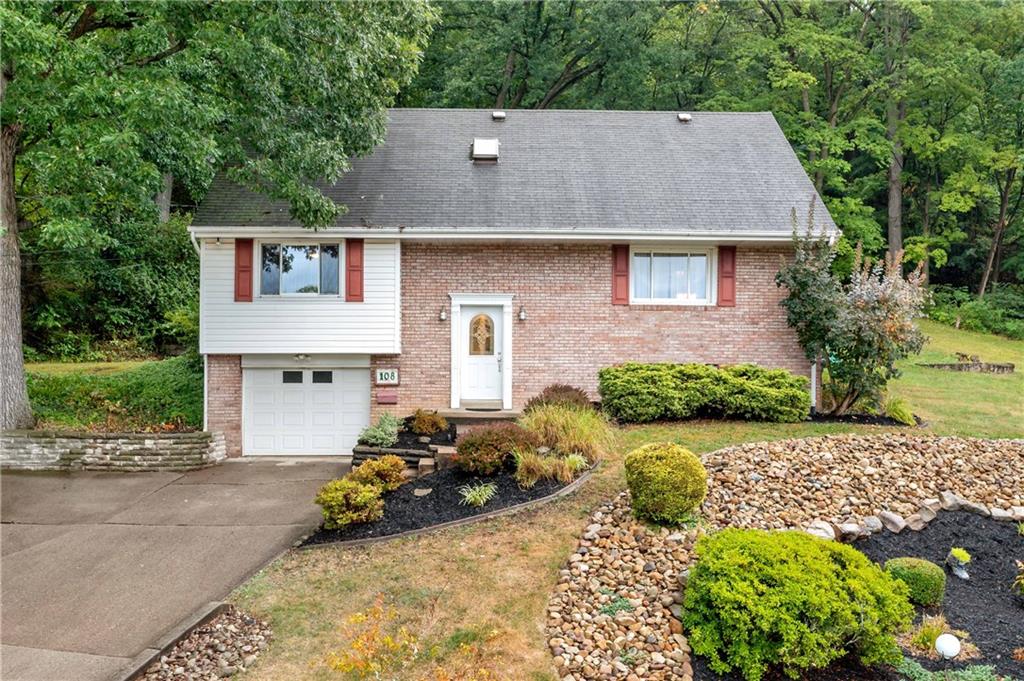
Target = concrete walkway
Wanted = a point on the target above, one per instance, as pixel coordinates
(98, 567)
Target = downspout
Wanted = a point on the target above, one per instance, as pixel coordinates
(205, 384)
(195, 244)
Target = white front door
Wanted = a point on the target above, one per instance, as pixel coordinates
(481, 352)
(304, 411)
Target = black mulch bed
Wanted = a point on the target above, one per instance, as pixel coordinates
(861, 419)
(982, 606)
(847, 669)
(404, 511)
(410, 440)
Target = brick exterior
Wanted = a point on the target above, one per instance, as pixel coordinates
(572, 327)
(224, 400)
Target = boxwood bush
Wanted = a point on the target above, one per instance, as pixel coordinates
(637, 393)
(666, 482)
(925, 580)
(758, 599)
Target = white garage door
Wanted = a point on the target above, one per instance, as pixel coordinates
(304, 411)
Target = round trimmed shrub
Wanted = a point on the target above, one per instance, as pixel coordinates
(487, 450)
(925, 579)
(344, 502)
(666, 482)
(757, 600)
(387, 472)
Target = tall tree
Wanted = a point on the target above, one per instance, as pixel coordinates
(99, 100)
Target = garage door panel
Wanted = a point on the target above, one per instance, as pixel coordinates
(304, 418)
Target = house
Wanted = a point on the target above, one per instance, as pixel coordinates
(485, 255)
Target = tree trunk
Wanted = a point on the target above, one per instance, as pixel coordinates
(997, 232)
(163, 199)
(15, 411)
(926, 232)
(894, 115)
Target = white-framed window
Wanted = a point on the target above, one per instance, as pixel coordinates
(301, 268)
(671, 275)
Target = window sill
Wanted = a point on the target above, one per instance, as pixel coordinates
(676, 307)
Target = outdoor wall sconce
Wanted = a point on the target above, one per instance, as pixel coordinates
(443, 316)
(522, 314)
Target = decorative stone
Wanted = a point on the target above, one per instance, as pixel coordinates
(932, 503)
(950, 501)
(1001, 514)
(819, 528)
(850, 531)
(1018, 513)
(916, 522)
(892, 521)
(871, 524)
(927, 513)
(422, 491)
(974, 507)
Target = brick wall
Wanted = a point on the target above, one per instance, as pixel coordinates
(224, 406)
(572, 329)
(45, 450)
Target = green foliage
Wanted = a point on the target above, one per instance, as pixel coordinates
(558, 393)
(387, 472)
(154, 396)
(898, 410)
(615, 605)
(758, 599)
(960, 554)
(568, 429)
(911, 670)
(532, 467)
(577, 462)
(926, 580)
(1000, 312)
(428, 422)
(486, 450)
(637, 393)
(345, 501)
(667, 483)
(384, 433)
(859, 327)
(477, 494)
(928, 631)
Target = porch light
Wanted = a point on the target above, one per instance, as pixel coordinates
(522, 314)
(443, 315)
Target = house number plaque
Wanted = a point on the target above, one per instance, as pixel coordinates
(387, 377)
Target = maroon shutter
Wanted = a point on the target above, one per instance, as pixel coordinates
(243, 270)
(354, 270)
(620, 275)
(727, 276)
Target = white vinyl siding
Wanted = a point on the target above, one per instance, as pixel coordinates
(300, 324)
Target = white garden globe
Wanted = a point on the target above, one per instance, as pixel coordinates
(948, 646)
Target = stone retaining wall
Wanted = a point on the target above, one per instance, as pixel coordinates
(49, 450)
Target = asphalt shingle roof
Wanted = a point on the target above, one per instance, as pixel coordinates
(599, 171)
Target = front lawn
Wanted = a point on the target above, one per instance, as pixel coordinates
(473, 599)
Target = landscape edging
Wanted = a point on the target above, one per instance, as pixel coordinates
(497, 513)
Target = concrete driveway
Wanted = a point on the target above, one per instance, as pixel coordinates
(98, 567)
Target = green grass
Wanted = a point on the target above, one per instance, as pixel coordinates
(965, 403)
(94, 368)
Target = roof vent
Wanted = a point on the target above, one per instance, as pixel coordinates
(684, 117)
(498, 115)
(484, 149)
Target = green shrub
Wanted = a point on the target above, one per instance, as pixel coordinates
(898, 410)
(758, 599)
(637, 393)
(387, 472)
(427, 422)
(666, 482)
(569, 429)
(1001, 311)
(152, 396)
(344, 502)
(384, 433)
(487, 450)
(477, 494)
(925, 580)
(559, 393)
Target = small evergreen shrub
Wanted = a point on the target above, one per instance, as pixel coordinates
(559, 393)
(758, 599)
(925, 580)
(344, 502)
(569, 429)
(384, 433)
(487, 450)
(667, 483)
(427, 422)
(387, 473)
(638, 393)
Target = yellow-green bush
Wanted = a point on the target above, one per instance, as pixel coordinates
(667, 483)
(569, 429)
(925, 580)
(385, 472)
(758, 599)
(426, 422)
(344, 502)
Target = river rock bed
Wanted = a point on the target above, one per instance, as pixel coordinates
(226, 645)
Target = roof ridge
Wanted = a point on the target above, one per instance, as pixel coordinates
(593, 111)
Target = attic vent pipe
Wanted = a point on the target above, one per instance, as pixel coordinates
(685, 118)
(498, 115)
